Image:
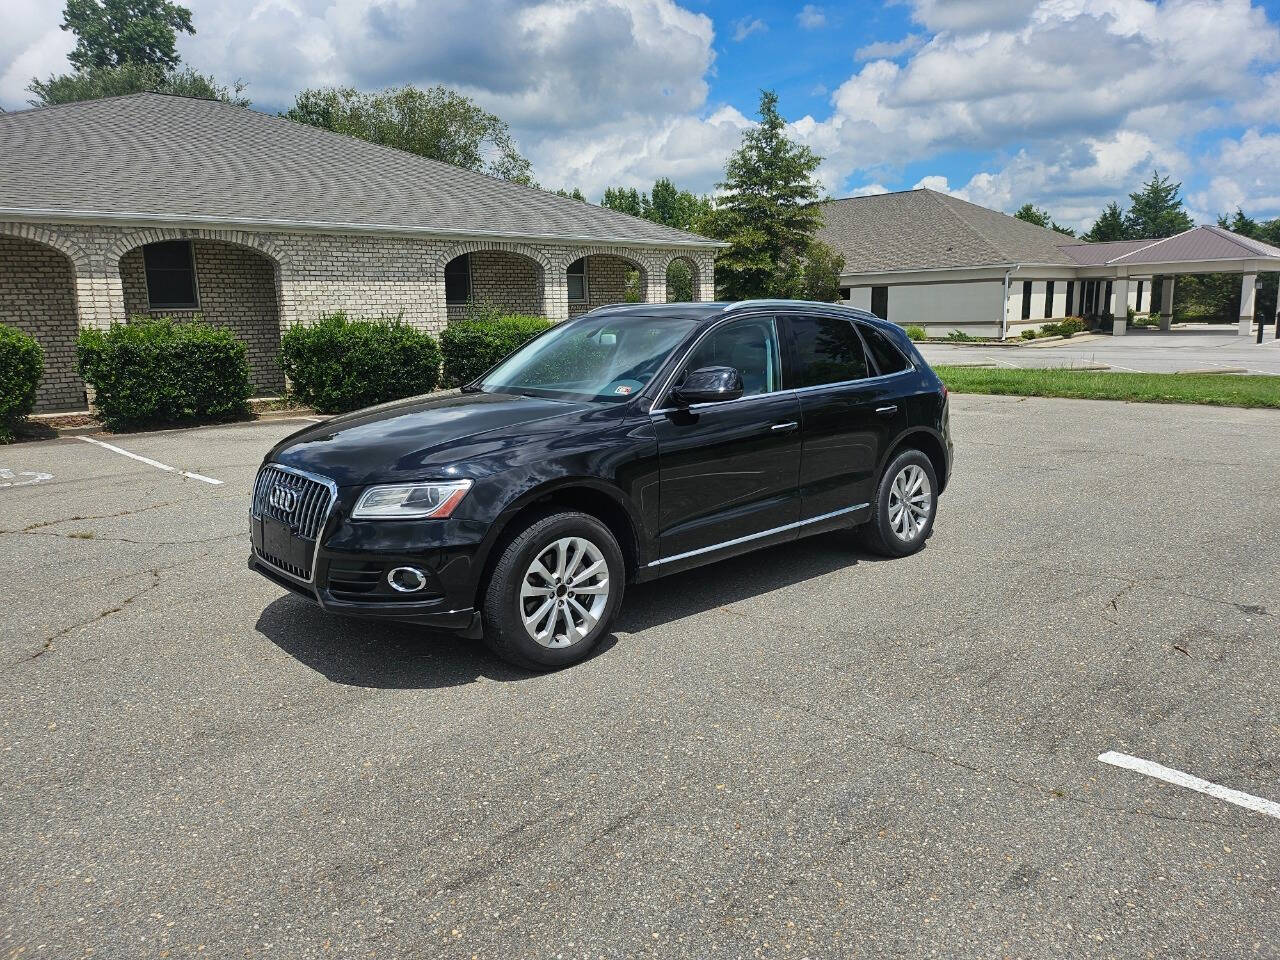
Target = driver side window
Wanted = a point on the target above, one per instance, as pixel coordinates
(750, 346)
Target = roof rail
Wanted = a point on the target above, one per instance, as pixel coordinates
(778, 302)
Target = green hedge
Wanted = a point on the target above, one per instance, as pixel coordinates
(21, 365)
(157, 370)
(338, 364)
(472, 346)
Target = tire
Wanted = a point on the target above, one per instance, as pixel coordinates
(889, 532)
(559, 545)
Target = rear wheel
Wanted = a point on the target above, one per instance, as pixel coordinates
(554, 591)
(905, 505)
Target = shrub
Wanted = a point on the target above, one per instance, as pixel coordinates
(1029, 334)
(337, 364)
(916, 333)
(21, 365)
(472, 346)
(155, 370)
(959, 336)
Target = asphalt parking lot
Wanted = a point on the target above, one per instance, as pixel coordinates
(804, 752)
(1203, 348)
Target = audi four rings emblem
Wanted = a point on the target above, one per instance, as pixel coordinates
(283, 499)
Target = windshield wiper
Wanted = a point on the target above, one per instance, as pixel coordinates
(472, 388)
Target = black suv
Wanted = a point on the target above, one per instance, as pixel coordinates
(630, 443)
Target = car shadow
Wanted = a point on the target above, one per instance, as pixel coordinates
(388, 655)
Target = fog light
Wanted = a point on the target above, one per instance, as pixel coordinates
(407, 579)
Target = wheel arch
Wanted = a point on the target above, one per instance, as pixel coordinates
(928, 443)
(581, 494)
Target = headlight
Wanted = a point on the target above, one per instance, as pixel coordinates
(409, 501)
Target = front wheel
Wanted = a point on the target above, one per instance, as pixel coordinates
(905, 505)
(554, 591)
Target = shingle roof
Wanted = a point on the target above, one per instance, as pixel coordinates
(1099, 254)
(173, 159)
(923, 229)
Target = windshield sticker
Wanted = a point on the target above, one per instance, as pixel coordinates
(622, 389)
(24, 478)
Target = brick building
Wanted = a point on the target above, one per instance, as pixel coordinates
(150, 204)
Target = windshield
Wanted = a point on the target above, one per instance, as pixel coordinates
(606, 359)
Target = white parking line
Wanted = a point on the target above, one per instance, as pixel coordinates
(1005, 362)
(149, 461)
(1178, 778)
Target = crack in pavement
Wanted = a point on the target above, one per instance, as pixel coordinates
(48, 644)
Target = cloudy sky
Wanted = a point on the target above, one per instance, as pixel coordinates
(1065, 103)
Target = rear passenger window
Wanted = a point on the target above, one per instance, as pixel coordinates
(887, 357)
(828, 350)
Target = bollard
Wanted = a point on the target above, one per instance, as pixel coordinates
(1261, 324)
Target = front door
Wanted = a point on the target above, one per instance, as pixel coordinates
(728, 471)
(850, 411)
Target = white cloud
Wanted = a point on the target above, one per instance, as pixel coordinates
(31, 45)
(889, 49)
(933, 182)
(1248, 177)
(747, 26)
(811, 17)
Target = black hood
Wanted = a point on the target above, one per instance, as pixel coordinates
(407, 438)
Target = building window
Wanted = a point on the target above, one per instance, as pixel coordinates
(1026, 299)
(1048, 300)
(1071, 297)
(457, 279)
(578, 281)
(1138, 308)
(880, 302)
(171, 275)
(846, 293)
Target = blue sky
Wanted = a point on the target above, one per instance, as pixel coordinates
(1064, 103)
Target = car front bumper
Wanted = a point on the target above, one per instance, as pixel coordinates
(434, 612)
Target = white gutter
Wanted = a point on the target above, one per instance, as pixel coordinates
(46, 215)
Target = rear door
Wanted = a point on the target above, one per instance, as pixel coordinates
(729, 471)
(849, 413)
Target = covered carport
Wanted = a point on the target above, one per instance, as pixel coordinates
(1114, 270)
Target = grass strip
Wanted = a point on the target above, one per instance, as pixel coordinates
(1219, 391)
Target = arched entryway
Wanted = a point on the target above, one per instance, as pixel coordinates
(601, 278)
(38, 297)
(498, 279)
(683, 282)
(222, 283)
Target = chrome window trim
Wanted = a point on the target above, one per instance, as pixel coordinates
(756, 536)
(315, 553)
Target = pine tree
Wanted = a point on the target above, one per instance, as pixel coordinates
(1156, 210)
(1030, 213)
(1110, 225)
(623, 200)
(767, 212)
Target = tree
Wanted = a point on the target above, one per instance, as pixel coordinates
(822, 269)
(677, 208)
(114, 32)
(1156, 210)
(436, 122)
(1110, 225)
(624, 200)
(1040, 217)
(767, 211)
(95, 82)
(1032, 214)
(574, 194)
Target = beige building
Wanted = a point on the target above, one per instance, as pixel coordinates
(919, 257)
(151, 204)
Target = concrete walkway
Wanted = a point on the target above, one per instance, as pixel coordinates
(1199, 347)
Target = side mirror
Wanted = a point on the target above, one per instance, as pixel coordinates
(710, 385)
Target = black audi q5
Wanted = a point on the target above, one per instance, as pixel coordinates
(633, 442)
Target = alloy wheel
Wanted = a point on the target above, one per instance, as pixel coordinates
(564, 592)
(910, 500)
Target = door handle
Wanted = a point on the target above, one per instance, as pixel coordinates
(785, 427)
(888, 411)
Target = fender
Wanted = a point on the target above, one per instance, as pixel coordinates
(915, 431)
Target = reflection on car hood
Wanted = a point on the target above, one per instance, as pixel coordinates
(399, 440)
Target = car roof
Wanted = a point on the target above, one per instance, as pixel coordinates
(707, 311)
